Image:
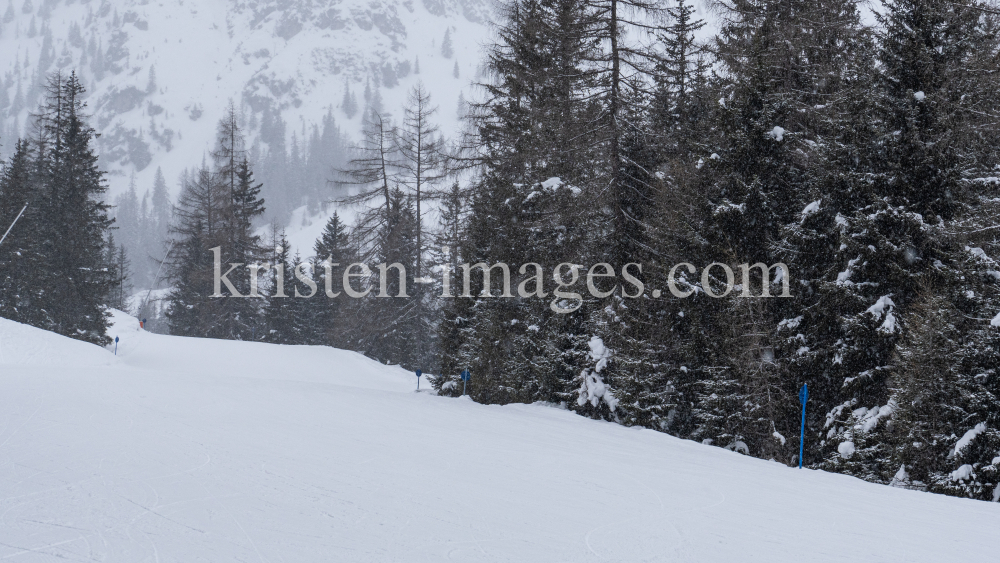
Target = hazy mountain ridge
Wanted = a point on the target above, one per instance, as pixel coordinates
(160, 74)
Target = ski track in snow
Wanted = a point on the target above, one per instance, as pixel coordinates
(186, 449)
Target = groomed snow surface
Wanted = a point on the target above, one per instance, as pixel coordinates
(187, 450)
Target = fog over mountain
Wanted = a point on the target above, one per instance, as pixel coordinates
(160, 74)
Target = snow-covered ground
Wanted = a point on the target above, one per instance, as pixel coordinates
(186, 450)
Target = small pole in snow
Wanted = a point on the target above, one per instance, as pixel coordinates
(116, 345)
(803, 397)
(465, 379)
(419, 373)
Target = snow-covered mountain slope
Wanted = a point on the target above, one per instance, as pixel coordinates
(160, 73)
(184, 449)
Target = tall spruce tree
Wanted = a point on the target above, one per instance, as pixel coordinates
(898, 241)
(130, 223)
(217, 210)
(332, 309)
(160, 210)
(70, 202)
(197, 228)
(120, 268)
(787, 154)
(392, 331)
(658, 348)
(679, 74)
(451, 314)
(286, 318)
(532, 203)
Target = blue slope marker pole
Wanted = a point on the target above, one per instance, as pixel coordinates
(116, 345)
(419, 373)
(803, 397)
(465, 379)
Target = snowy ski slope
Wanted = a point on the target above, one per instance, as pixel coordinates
(191, 450)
